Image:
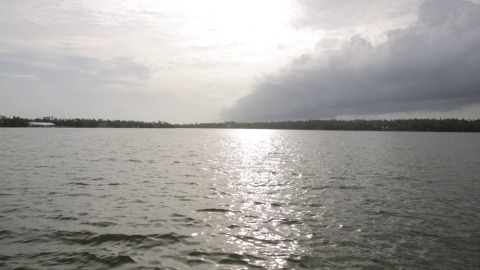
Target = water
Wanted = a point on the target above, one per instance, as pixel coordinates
(238, 199)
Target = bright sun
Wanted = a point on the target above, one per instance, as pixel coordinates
(249, 22)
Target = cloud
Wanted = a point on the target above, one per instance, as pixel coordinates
(70, 70)
(71, 85)
(331, 14)
(433, 65)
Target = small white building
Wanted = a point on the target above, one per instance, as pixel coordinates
(41, 124)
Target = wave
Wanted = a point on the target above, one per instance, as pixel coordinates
(101, 224)
(5, 234)
(218, 210)
(78, 184)
(138, 240)
(84, 260)
(63, 217)
(234, 259)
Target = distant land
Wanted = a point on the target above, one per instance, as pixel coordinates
(437, 125)
(443, 125)
(16, 121)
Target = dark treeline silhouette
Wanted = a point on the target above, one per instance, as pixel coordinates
(445, 125)
(81, 122)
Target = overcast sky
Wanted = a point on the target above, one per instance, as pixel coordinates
(185, 61)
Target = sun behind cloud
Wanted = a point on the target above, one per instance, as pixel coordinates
(257, 23)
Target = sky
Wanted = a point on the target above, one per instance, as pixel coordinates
(186, 61)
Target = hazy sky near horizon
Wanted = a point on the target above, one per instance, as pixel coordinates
(186, 61)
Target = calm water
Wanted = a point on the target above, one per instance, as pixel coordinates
(238, 199)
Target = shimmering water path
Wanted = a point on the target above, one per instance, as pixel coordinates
(238, 199)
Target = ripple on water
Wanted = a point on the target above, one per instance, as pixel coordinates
(217, 210)
(225, 258)
(140, 241)
(83, 259)
(64, 217)
(5, 234)
(237, 199)
(78, 184)
(100, 224)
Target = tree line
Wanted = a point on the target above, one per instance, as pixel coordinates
(16, 121)
(443, 125)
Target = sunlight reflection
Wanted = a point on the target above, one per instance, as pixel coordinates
(260, 181)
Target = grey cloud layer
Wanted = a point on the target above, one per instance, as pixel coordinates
(432, 65)
(61, 70)
(325, 13)
(68, 84)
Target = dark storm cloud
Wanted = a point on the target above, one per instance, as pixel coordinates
(433, 65)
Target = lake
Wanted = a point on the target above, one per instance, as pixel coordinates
(238, 199)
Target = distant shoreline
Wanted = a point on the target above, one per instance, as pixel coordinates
(432, 125)
(79, 123)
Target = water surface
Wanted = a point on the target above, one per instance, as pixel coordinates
(238, 199)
